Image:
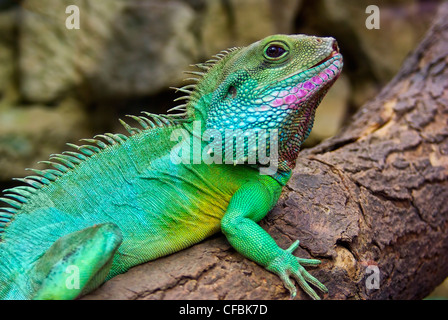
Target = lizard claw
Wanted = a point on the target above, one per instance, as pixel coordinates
(287, 265)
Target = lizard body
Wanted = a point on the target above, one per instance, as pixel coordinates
(122, 200)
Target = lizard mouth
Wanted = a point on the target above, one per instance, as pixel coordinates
(333, 53)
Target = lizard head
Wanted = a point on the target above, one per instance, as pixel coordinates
(273, 84)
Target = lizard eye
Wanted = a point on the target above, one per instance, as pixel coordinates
(275, 51)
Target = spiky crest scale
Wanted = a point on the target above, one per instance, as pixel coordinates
(67, 161)
(190, 90)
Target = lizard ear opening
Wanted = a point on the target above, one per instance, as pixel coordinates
(231, 92)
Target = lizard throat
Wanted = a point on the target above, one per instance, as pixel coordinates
(301, 108)
(297, 127)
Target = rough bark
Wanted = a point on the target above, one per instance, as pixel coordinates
(375, 195)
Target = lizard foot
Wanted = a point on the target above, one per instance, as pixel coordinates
(287, 265)
(76, 263)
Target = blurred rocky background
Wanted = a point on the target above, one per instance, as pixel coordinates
(58, 85)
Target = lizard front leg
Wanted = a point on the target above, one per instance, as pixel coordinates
(250, 203)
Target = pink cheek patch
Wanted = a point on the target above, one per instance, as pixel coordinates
(333, 67)
(301, 93)
(316, 80)
(308, 85)
(323, 76)
(287, 99)
(277, 102)
(290, 99)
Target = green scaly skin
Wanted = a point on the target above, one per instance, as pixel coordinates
(119, 201)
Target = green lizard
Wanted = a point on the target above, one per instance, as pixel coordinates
(121, 200)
